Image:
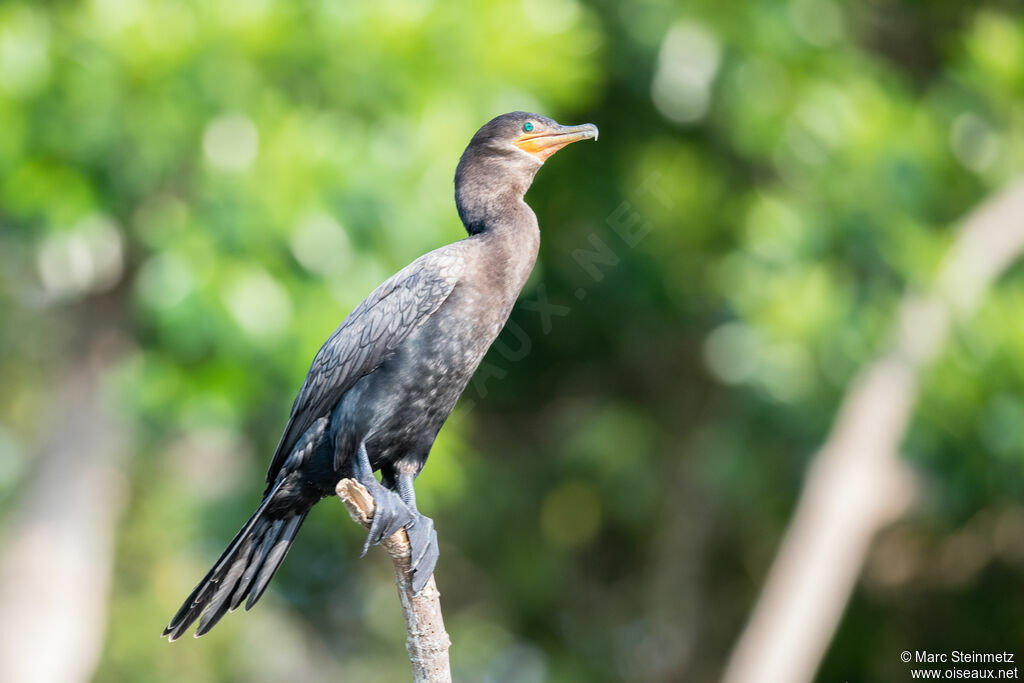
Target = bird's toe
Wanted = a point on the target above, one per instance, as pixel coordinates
(390, 515)
(424, 551)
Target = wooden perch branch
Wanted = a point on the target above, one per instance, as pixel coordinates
(427, 640)
(857, 484)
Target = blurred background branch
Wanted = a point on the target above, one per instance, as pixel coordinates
(58, 551)
(857, 484)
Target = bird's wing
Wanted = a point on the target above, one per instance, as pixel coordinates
(370, 333)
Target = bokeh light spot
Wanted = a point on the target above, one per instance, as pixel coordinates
(319, 243)
(164, 281)
(231, 142)
(87, 258)
(974, 143)
(24, 53)
(731, 352)
(687, 63)
(258, 303)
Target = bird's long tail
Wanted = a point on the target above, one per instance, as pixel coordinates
(243, 569)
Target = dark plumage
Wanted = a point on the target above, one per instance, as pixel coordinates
(385, 381)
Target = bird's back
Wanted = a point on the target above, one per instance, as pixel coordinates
(368, 336)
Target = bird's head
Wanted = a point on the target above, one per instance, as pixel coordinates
(503, 157)
(520, 131)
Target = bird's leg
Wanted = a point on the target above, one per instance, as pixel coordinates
(422, 536)
(391, 511)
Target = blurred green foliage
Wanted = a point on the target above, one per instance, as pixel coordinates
(232, 177)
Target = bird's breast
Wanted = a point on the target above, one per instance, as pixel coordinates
(400, 407)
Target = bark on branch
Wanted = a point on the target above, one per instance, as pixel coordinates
(427, 640)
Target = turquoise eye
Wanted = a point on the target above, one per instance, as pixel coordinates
(527, 126)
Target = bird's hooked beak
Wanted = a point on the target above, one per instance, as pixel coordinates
(543, 143)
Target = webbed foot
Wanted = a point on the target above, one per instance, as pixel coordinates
(391, 514)
(424, 550)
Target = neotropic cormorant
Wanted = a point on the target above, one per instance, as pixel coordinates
(385, 381)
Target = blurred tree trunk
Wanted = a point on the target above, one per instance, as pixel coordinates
(857, 484)
(58, 551)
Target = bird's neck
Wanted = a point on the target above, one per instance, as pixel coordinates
(510, 236)
(489, 192)
(483, 207)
